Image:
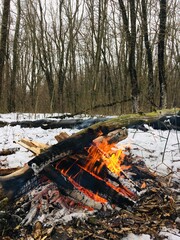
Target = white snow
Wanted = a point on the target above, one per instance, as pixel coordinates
(132, 236)
(159, 149)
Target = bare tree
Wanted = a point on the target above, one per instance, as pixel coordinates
(161, 54)
(131, 40)
(104, 52)
(3, 41)
(12, 90)
(148, 54)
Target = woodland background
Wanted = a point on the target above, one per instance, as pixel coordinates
(91, 56)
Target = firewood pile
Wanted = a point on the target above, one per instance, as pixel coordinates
(82, 195)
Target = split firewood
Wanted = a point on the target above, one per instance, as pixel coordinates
(33, 146)
(61, 136)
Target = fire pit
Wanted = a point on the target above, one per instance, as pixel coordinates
(86, 187)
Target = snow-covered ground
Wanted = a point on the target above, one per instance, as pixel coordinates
(159, 149)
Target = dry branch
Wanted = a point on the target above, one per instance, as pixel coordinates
(8, 151)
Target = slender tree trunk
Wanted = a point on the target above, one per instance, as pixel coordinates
(131, 40)
(148, 54)
(46, 63)
(132, 61)
(12, 90)
(3, 41)
(161, 54)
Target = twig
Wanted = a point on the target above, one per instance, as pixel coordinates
(148, 150)
(98, 237)
(178, 143)
(165, 146)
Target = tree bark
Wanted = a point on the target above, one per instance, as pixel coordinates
(3, 41)
(131, 42)
(148, 54)
(12, 92)
(161, 54)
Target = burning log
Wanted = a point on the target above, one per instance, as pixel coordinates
(18, 183)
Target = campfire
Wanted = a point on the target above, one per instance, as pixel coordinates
(87, 173)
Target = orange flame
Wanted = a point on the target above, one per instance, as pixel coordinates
(100, 154)
(106, 154)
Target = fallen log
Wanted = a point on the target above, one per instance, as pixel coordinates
(152, 119)
(7, 171)
(78, 123)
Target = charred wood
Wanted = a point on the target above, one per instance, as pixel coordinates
(67, 188)
(72, 145)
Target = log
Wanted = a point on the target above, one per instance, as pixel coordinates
(51, 124)
(129, 120)
(61, 136)
(120, 196)
(7, 171)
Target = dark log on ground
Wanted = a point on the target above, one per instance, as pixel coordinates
(48, 124)
(78, 123)
(167, 123)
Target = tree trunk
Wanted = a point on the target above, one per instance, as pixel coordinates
(161, 54)
(148, 54)
(132, 61)
(45, 57)
(131, 41)
(12, 92)
(3, 41)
